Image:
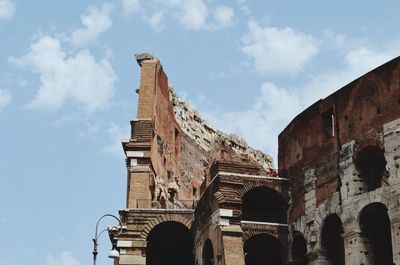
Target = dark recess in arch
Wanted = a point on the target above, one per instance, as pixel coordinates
(371, 164)
(169, 243)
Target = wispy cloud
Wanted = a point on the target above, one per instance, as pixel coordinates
(116, 134)
(7, 9)
(95, 22)
(65, 258)
(156, 21)
(90, 130)
(190, 14)
(276, 105)
(278, 50)
(131, 6)
(5, 98)
(223, 16)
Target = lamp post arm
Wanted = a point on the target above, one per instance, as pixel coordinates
(97, 235)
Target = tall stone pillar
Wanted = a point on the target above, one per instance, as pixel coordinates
(352, 184)
(233, 245)
(357, 248)
(395, 227)
(310, 199)
(391, 137)
(317, 257)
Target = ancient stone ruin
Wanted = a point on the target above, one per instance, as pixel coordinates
(196, 195)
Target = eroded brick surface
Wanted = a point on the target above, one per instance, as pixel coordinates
(338, 177)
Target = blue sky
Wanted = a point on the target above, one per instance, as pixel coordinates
(67, 82)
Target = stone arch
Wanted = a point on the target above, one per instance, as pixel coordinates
(263, 204)
(164, 218)
(207, 253)
(170, 242)
(328, 207)
(374, 222)
(249, 233)
(249, 185)
(263, 247)
(298, 248)
(377, 196)
(371, 163)
(332, 243)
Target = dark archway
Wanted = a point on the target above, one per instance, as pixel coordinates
(264, 205)
(299, 249)
(263, 249)
(208, 253)
(371, 164)
(169, 243)
(331, 240)
(375, 223)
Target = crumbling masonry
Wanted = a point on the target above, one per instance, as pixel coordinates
(196, 195)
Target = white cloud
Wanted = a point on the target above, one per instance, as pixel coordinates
(194, 13)
(65, 258)
(116, 134)
(131, 6)
(89, 131)
(364, 58)
(190, 14)
(78, 78)
(271, 109)
(275, 106)
(7, 9)
(277, 50)
(223, 16)
(95, 22)
(156, 21)
(5, 98)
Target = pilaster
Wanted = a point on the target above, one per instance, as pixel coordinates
(357, 248)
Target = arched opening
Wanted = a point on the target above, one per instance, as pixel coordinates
(371, 164)
(264, 205)
(332, 241)
(169, 243)
(263, 249)
(375, 223)
(208, 253)
(299, 249)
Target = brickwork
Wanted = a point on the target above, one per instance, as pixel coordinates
(341, 157)
(174, 157)
(338, 180)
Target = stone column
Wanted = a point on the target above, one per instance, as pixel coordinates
(352, 184)
(395, 227)
(317, 257)
(139, 195)
(310, 199)
(357, 248)
(233, 246)
(391, 138)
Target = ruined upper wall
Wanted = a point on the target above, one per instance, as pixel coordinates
(175, 144)
(314, 138)
(206, 136)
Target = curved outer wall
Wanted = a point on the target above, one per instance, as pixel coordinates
(318, 150)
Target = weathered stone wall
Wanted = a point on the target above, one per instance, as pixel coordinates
(209, 138)
(174, 145)
(314, 139)
(323, 153)
(338, 163)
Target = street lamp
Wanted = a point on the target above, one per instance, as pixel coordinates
(114, 231)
